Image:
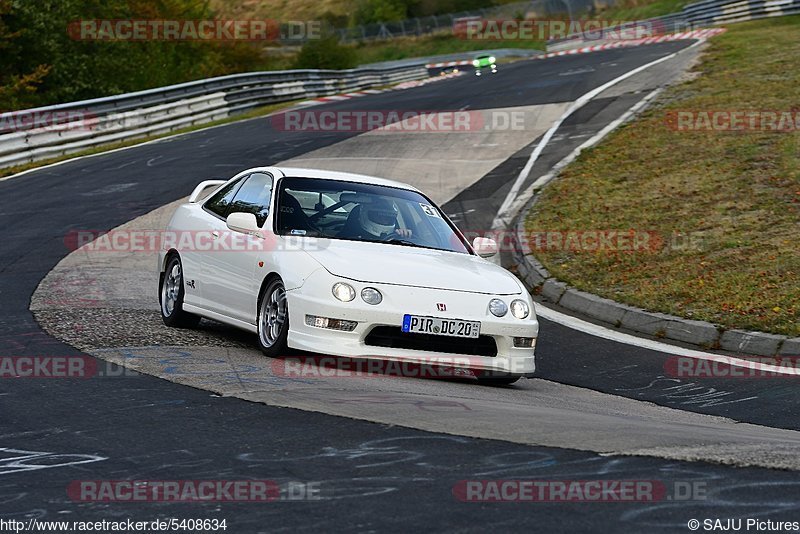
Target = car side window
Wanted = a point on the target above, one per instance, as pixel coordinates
(220, 201)
(254, 197)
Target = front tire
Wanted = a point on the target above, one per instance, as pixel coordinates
(273, 319)
(496, 379)
(170, 296)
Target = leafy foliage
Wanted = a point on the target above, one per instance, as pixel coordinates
(325, 53)
(373, 11)
(41, 64)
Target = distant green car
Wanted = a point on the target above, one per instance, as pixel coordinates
(484, 62)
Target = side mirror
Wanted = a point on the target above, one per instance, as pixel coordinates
(245, 223)
(485, 247)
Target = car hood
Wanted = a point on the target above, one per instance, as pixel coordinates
(381, 263)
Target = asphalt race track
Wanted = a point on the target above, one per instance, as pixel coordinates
(371, 475)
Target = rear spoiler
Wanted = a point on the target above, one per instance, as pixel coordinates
(202, 186)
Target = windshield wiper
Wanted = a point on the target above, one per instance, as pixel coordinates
(396, 241)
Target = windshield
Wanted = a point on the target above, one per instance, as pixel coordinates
(363, 212)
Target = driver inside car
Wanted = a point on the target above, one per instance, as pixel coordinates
(374, 221)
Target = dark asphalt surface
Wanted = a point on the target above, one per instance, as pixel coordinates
(372, 477)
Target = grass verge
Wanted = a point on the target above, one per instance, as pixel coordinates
(727, 204)
(639, 10)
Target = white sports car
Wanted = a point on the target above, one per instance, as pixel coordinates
(344, 265)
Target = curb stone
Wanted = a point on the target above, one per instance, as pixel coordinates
(552, 290)
(537, 274)
(790, 347)
(692, 331)
(751, 342)
(592, 305)
(651, 323)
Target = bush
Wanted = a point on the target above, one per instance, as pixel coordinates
(325, 53)
(40, 64)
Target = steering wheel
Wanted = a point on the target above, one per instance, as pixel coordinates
(395, 235)
(391, 235)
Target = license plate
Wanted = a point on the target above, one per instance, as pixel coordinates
(442, 327)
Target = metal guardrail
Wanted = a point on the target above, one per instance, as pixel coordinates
(720, 12)
(702, 14)
(85, 124)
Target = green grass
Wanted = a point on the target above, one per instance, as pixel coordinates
(279, 9)
(735, 194)
(641, 9)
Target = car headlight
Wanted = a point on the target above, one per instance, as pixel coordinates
(343, 292)
(520, 309)
(371, 295)
(491, 59)
(498, 307)
(476, 63)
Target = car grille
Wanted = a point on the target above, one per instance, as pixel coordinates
(393, 337)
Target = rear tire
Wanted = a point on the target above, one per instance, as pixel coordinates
(170, 296)
(273, 319)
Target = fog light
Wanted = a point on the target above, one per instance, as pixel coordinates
(498, 307)
(524, 342)
(331, 324)
(371, 295)
(519, 309)
(343, 292)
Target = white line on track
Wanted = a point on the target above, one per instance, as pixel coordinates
(540, 182)
(503, 214)
(621, 337)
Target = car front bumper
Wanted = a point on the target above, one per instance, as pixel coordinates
(315, 298)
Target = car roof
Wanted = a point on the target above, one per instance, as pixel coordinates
(298, 172)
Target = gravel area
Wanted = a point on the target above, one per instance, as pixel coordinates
(99, 328)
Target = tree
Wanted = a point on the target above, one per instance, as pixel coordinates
(325, 53)
(372, 11)
(43, 62)
(16, 88)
